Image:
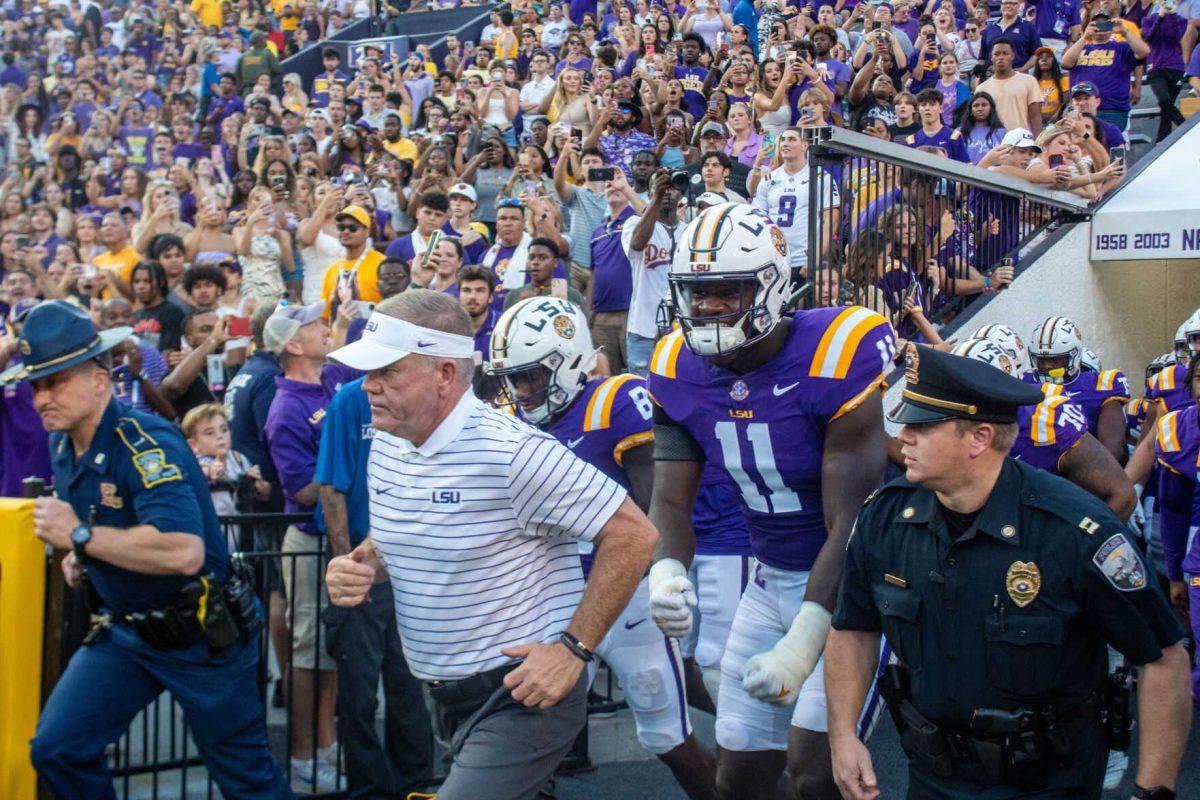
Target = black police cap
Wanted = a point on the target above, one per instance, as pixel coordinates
(941, 386)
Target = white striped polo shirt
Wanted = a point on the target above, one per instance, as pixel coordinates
(479, 530)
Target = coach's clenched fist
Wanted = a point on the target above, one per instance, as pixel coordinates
(349, 578)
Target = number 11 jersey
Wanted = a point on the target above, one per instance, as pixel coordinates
(766, 428)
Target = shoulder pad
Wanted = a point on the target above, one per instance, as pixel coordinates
(1109, 380)
(146, 454)
(840, 340)
(598, 415)
(1168, 433)
(666, 354)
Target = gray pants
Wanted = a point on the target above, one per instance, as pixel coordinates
(366, 644)
(512, 752)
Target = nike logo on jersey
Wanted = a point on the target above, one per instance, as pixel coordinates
(779, 391)
(572, 442)
(631, 625)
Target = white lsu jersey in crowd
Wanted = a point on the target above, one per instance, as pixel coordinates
(783, 196)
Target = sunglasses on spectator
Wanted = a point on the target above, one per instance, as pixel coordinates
(348, 227)
(510, 202)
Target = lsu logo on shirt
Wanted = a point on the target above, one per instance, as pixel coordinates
(1097, 58)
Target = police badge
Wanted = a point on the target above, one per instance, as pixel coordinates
(912, 365)
(1023, 582)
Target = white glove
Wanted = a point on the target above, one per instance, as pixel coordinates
(777, 675)
(672, 598)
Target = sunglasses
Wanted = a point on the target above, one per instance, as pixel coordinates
(510, 202)
(343, 227)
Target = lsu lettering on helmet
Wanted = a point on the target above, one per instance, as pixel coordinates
(542, 353)
(1180, 349)
(1009, 341)
(729, 278)
(988, 352)
(1056, 350)
(1089, 361)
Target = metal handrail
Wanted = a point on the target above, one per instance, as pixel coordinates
(847, 142)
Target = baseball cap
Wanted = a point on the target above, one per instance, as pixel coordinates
(464, 189)
(714, 128)
(1085, 87)
(710, 199)
(1100, 12)
(1019, 137)
(358, 214)
(286, 322)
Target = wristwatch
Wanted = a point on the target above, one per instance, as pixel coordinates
(79, 541)
(1156, 793)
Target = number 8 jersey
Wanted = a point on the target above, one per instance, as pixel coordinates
(766, 428)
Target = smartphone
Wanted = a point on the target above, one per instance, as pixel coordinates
(714, 105)
(650, 50)
(876, 25)
(215, 367)
(89, 271)
(1055, 162)
(601, 174)
(22, 242)
(1104, 25)
(807, 115)
(279, 180)
(239, 327)
(461, 94)
(1117, 153)
(674, 122)
(911, 292)
(587, 76)
(577, 136)
(530, 186)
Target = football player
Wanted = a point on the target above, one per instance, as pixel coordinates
(1056, 351)
(1053, 436)
(790, 408)
(542, 353)
(783, 196)
(1169, 389)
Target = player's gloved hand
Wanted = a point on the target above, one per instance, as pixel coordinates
(777, 675)
(672, 598)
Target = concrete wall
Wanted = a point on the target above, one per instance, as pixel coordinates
(1127, 310)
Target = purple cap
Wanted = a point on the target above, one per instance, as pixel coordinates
(1085, 87)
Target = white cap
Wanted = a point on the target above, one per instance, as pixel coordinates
(283, 325)
(1019, 137)
(711, 199)
(386, 340)
(465, 189)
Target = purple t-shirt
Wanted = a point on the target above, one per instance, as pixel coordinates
(1108, 66)
(1055, 18)
(612, 275)
(293, 431)
(694, 100)
(1193, 66)
(136, 142)
(24, 444)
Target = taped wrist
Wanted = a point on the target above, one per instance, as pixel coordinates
(801, 646)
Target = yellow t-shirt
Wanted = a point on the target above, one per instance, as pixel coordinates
(367, 278)
(122, 262)
(1052, 96)
(209, 11)
(402, 148)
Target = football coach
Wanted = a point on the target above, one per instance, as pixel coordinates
(476, 519)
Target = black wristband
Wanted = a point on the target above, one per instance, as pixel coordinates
(1157, 793)
(577, 648)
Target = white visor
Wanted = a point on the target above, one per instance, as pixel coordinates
(386, 340)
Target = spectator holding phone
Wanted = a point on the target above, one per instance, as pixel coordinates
(1107, 63)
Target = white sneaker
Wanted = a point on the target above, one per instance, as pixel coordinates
(1118, 762)
(303, 777)
(329, 757)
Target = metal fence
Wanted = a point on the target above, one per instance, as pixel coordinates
(156, 758)
(897, 229)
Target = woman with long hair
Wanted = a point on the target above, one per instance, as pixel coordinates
(980, 126)
(571, 102)
(664, 23)
(708, 22)
(210, 181)
(294, 97)
(648, 44)
(532, 174)
(264, 251)
(575, 54)
(160, 214)
(131, 188)
(276, 174)
(745, 140)
(209, 242)
(28, 122)
(243, 183)
(13, 213)
(771, 101)
(66, 133)
(1052, 81)
(488, 172)
(318, 240)
(98, 137)
(913, 287)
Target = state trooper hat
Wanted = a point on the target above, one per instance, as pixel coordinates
(57, 336)
(941, 386)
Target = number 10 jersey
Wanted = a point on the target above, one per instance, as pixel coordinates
(766, 428)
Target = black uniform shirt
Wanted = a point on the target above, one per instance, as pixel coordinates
(1013, 614)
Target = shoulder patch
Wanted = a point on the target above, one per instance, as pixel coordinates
(1120, 564)
(154, 468)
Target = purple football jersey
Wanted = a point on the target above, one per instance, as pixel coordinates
(1091, 391)
(1169, 388)
(717, 518)
(766, 428)
(610, 416)
(1177, 447)
(1047, 431)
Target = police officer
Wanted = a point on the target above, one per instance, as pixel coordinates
(998, 585)
(133, 508)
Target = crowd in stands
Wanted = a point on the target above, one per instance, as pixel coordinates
(163, 169)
